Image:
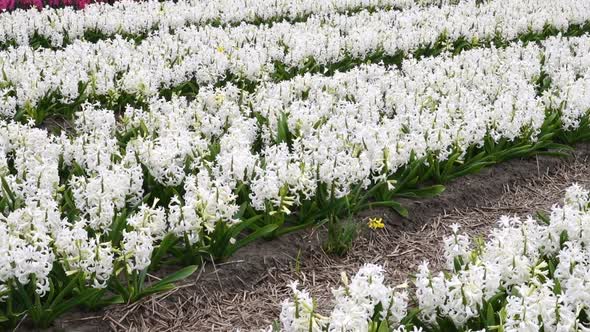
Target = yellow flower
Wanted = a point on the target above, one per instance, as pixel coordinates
(220, 49)
(219, 98)
(375, 223)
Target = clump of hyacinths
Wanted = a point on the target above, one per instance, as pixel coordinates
(74, 231)
(527, 275)
(363, 303)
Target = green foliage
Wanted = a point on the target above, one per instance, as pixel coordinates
(66, 292)
(133, 288)
(341, 235)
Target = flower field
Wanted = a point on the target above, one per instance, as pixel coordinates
(142, 139)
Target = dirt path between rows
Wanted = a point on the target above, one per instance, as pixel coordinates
(245, 292)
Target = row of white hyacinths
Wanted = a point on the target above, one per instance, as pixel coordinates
(131, 17)
(527, 275)
(362, 125)
(250, 53)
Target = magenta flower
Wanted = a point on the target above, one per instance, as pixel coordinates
(7, 4)
(80, 4)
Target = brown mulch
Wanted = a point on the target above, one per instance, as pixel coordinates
(246, 292)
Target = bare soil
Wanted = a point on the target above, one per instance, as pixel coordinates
(246, 291)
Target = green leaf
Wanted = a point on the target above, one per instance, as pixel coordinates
(497, 299)
(283, 134)
(266, 230)
(24, 296)
(410, 174)
(490, 315)
(242, 208)
(117, 288)
(521, 151)
(168, 241)
(65, 291)
(153, 290)
(473, 168)
(139, 280)
(561, 147)
(457, 264)
(402, 211)
(117, 299)
(557, 154)
(446, 324)
(308, 223)
(6, 189)
(117, 227)
(551, 267)
(557, 287)
(383, 327)
(542, 217)
(143, 128)
(450, 163)
(66, 306)
(425, 192)
(97, 300)
(412, 314)
(68, 199)
(174, 277)
(238, 228)
(371, 191)
(397, 207)
(563, 238)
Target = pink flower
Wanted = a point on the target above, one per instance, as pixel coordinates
(80, 4)
(7, 4)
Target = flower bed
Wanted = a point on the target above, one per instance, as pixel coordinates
(528, 275)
